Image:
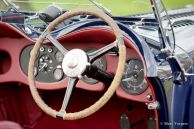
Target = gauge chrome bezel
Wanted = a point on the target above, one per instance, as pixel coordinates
(143, 84)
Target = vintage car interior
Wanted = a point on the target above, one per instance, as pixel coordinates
(87, 69)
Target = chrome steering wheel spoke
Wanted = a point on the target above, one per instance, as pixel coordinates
(98, 53)
(70, 86)
(56, 43)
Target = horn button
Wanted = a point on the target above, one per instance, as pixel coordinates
(75, 63)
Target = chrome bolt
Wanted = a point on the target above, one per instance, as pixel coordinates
(149, 97)
(88, 64)
(80, 76)
(42, 49)
(50, 50)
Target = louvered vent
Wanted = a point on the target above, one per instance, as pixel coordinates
(183, 23)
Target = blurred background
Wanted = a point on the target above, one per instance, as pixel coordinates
(118, 7)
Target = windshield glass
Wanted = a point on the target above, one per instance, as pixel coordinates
(117, 7)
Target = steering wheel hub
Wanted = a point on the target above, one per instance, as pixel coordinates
(72, 63)
(75, 63)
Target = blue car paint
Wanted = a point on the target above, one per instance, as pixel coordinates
(163, 115)
(182, 104)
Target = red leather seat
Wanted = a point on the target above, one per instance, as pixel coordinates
(9, 125)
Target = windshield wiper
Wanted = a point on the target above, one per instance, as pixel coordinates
(100, 6)
(10, 3)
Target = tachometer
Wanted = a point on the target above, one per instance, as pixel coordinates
(133, 81)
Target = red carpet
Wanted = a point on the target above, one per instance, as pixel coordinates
(107, 118)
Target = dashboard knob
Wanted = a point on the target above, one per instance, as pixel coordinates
(58, 74)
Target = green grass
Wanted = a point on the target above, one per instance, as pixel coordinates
(118, 7)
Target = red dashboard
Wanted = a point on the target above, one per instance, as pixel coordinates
(12, 44)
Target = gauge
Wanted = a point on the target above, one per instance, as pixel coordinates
(45, 64)
(100, 63)
(58, 74)
(59, 56)
(133, 81)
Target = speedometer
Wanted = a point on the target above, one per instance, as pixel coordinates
(133, 81)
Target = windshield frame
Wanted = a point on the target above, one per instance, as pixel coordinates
(163, 36)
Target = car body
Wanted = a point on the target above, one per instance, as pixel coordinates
(155, 91)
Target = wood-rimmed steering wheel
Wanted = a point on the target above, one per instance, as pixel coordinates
(77, 63)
